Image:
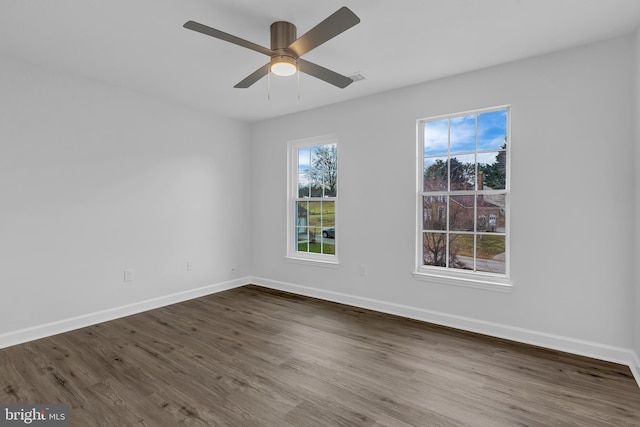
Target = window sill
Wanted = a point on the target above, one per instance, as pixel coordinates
(313, 262)
(488, 283)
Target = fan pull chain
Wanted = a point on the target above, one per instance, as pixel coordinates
(269, 86)
(298, 84)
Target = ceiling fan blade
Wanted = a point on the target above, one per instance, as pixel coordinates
(191, 25)
(335, 24)
(253, 77)
(324, 74)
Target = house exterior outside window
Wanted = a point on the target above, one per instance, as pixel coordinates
(313, 200)
(463, 198)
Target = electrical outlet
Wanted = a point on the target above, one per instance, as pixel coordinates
(189, 265)
(128, 275)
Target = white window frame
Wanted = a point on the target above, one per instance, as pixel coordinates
(293, 255)
(452, 276)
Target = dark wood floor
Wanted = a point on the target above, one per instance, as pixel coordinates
(252, 356)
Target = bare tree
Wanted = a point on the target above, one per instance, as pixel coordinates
(435, 250)
(435, 214)
(324, 171)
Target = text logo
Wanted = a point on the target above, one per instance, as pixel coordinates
(53, 415)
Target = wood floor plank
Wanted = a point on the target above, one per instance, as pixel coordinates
(252, 356)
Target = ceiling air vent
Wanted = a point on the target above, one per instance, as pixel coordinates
(356, 77)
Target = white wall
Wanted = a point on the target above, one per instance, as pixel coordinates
(637, 210)
(94, 179)
(572, 205)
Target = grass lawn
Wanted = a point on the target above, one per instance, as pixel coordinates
(317, 248)
(321, 214)
(488, 246)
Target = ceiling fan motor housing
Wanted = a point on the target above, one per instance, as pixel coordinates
(282, 35)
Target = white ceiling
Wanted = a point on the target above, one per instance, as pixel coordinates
(140, 44)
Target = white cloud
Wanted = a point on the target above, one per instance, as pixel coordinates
(436, 136)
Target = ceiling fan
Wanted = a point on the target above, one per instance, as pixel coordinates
(286, 49)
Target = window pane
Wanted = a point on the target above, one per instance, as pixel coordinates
(328, 230)
(463, 134)
(435, 249)
(436, 137)
(434, 210)
(461, 251)
(303, 172)
(315, 214)
(492, 130)
(462, 170)
(302, 221)
(435, 174)
(491, 213)
(323, 171)
(303, 239)
(492, 170)
(461, 209)
(302, 212)
(315, 173)
(328, 214)
(491, 253)
(328, 244)
(330, 170)
(315, 240)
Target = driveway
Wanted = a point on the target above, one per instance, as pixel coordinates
(494, 265)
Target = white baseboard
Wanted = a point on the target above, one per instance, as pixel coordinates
(556, 342)
(635, 367)
(41, 331)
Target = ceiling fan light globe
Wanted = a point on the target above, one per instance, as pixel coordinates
(283, 66)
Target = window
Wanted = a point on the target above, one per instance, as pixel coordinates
(313, 200)
(463, 196)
